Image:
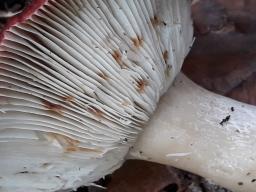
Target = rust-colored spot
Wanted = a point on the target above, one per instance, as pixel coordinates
(53, 107)
(141, 85)
(165, 56)
(62, 139)
(96, 112)
(70, 149)
(137, 41)
(68, 98)
(103, 76)
(155, 21)
(70, 145)
(117, 56)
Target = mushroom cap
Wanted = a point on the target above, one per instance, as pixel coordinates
(79, 79)
(10, 8)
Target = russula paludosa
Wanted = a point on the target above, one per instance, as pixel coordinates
(79, 84)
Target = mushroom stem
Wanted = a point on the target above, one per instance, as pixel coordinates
(204, 133)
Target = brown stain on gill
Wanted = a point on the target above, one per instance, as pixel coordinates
(155, 21)
(137, 41)
(70, 145)
(166, 56)
(103, 76)
(117, 56)
(52, 107)
(68, 98)
(96, 112)
(141, 85)
(168, 66)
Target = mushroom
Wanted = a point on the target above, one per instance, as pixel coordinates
(80, 82)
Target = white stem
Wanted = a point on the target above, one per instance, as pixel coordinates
(186, 132)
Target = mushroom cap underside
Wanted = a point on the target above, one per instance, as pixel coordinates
(78, 82)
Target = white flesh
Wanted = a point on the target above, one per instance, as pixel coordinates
(185, 132)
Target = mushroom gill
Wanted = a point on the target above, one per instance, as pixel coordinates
(79, 79)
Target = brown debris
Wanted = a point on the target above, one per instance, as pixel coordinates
(138, 176)
(245, 91)
(208, 15)
(222, 57)
(143, 176)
